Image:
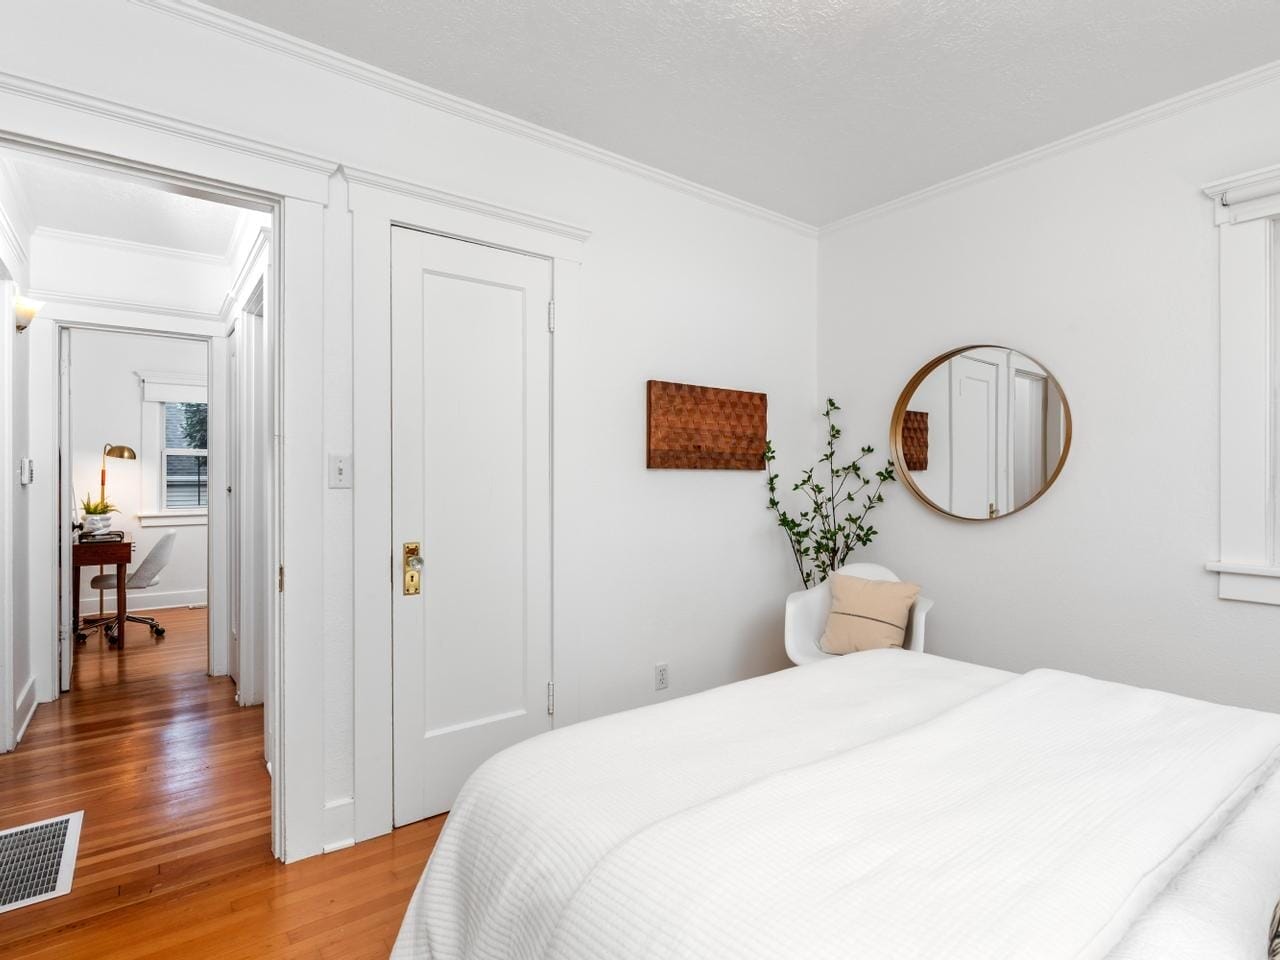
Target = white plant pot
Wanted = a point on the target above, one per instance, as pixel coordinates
(97, 522)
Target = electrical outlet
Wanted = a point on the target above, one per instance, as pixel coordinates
(661, 676)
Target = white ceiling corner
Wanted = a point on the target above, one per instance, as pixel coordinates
(816, 110)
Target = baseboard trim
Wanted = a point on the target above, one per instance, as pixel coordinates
(146, 600)
(24, 708)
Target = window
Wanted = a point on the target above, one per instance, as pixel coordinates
(1247, 212)
(185, 468)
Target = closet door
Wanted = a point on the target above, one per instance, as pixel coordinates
(471, 510)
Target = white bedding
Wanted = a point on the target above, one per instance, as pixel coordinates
(539, 848)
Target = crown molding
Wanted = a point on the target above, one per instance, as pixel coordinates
(131, 246)
(126, 306)
(1267, 73)
(315, 55)
(381, 181)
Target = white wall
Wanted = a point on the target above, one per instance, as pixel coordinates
(107, 407)
(1100, 262)
(675, 566)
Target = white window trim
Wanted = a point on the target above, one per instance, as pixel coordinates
(1247, 212)
(174, 518)
(159, 388)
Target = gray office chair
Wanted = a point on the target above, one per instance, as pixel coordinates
(146, 575)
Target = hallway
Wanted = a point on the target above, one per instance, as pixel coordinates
(175, 855)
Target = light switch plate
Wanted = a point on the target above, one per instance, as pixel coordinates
(340, 471)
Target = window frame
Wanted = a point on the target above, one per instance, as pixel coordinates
(158, 389)
(1247, 214)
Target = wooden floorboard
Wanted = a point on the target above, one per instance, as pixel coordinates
(175, 853)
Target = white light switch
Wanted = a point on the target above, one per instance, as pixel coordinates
(26, 471)
(340, 471)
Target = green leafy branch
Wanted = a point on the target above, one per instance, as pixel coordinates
(834, 521)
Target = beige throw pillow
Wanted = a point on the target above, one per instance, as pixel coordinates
(867, 614)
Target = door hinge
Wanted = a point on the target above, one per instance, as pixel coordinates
(551, 698)
(280, 580)
(551, 316)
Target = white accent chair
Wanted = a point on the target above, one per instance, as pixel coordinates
(807, 611)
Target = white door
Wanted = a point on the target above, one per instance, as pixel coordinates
(471, 483)
(975, 391)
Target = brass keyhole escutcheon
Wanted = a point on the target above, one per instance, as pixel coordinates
(412, 568)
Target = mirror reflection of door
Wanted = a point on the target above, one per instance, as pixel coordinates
(975, 443)
(997, 431)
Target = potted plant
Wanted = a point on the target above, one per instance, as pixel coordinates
(834, 520)
(97, 514)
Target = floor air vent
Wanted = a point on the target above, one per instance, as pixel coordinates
(37, 861)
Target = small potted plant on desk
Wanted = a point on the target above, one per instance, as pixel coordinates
(97, 515)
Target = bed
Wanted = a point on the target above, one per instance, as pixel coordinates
(886, 805)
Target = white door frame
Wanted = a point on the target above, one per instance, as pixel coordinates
(214, 592)
(377, 203)
(294, 187)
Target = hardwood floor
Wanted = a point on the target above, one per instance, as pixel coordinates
(175, 854)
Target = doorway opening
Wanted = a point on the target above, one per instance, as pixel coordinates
(144, 412)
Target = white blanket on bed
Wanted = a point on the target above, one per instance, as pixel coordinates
(1038, 820)
(541, 822)
(533, 821)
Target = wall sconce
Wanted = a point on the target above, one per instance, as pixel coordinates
(24, 311)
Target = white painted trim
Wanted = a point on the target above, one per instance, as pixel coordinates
(1267, 73)
(374, 210)
(297, 671)
(158, 146)
(444, 198)
(173, 518)
(284, 44)
(125, 306)
(1249, 384)
(130, 246)
(173, 378)
(1243, 569)
(147, 599)
(1249, 196)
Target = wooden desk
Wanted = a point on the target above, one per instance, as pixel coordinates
(117, 554)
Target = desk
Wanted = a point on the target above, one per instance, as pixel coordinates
(117, 554)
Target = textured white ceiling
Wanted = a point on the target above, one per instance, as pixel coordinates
(65, 196)
(813, 108)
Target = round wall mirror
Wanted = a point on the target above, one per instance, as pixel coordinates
(980, 432)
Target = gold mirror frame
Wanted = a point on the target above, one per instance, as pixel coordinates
(899, 414)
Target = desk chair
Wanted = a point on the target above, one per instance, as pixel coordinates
(146, 575)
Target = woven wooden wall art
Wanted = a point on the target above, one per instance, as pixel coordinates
(915, 440)
(705, 428)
